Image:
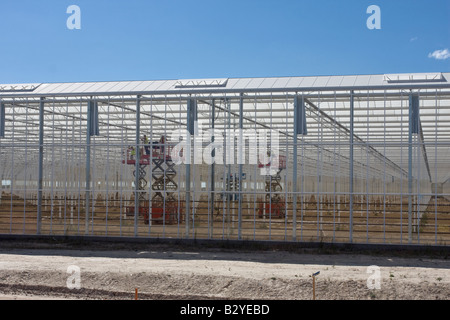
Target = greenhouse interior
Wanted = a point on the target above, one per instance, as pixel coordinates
(335, 159)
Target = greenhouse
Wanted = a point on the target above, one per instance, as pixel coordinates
(336, 159)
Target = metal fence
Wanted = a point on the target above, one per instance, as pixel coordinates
(354, 163)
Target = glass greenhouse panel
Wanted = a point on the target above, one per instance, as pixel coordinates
(360, 159)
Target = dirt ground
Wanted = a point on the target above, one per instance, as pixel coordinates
(171, 272)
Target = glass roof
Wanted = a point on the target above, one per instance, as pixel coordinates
(381, 118)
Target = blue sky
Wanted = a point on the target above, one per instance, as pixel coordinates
(176, 39)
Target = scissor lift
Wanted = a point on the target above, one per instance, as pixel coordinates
(144, 161)
(164, 205)
(274, 204)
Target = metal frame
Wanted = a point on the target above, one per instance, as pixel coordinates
(352, 164)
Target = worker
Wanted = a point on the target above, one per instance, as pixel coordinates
(132, 153)
(146, 145)
(162, 141)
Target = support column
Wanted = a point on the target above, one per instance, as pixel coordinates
(294, 168)
(299, 128)
(137, 166)
(351, 165)
(2, 135)
(188, 194)
(40, 165)
(410, 177)
(191, 119)
(240, 160)
(2, 120)
(213, 154)
(87, 196)
(413, 128)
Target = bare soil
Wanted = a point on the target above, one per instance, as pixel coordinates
(171, 272)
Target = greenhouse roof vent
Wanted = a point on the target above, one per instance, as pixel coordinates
(18, 87)
(414, 77)
(201, 83)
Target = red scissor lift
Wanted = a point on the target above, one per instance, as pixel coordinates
(164, 209)
(274, 204)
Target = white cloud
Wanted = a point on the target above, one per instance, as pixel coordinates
(440, 54)
(413, 39)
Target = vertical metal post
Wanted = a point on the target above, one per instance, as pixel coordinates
(299, 128)
(351, 165)
(294, 168)
(188, 194)
(191, 117)
(88, 165)
(2, 135)
(2, 120)
(410, 177)
(240, 158)
(229, 158)
(41, 164)
(213, 154)
(137, 166)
